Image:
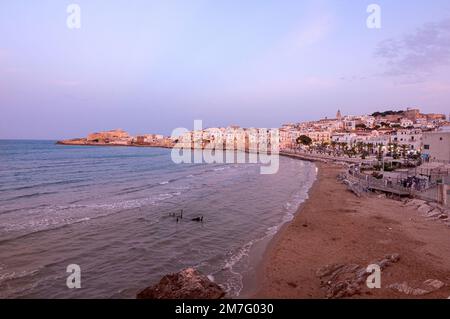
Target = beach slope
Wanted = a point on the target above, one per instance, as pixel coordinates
(334, 227)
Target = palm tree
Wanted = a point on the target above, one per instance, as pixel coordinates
(370, 148)
(395, 151)
(359, 147)
(380, 152)
(404, 151)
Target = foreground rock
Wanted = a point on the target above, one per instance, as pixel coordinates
(346, 280)
(428, 286)
(430, 210)
(186, 284)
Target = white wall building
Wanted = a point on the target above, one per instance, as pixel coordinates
(404, 122)
(412, 138)
(347, 138)
(436, 146)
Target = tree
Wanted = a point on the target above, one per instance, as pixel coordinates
(380, 152)
(360, 147)
(370, 148)
(404, 151)
(304, 140)
(361, 126)
(394, 151)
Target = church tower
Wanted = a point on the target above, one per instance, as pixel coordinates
(339, 115)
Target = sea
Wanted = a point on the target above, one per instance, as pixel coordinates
(110, 210)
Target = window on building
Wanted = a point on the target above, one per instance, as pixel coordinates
(427, 147)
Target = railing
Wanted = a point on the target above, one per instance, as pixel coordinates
(387, 185)
(428, 193)
(321, 156)
(431, 171)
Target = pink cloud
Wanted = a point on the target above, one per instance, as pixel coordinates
(417, 54)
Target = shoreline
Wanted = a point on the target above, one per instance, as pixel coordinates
(260, 254)
(64, 143)
(333, 226)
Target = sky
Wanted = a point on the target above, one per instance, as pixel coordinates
(153, 66)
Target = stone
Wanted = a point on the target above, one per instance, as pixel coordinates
(186, 284)
(415, 203)
(434, 204)
(434, 284)
(387, 260)
(424, 209)
(434, 213)
(428, 286)
(346, 280)
(407, 290)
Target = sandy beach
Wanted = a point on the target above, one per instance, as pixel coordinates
(335, 227)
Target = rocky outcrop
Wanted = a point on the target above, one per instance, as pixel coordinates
(430, 210)
(108, 136)
(121, 138)
(428, 286)
(414, 203)
(75, 141)
(346, 280)
(186, 284)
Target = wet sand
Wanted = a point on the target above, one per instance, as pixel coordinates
(334, 226)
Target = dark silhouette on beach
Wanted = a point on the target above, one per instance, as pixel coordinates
(198, 219)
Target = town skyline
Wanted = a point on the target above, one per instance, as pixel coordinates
(167, 132)
(385, 129)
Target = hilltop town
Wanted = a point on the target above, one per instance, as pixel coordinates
(406, 153)
(398, 134)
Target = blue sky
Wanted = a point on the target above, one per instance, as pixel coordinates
(152, 66)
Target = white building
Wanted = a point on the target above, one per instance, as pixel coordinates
(347, 138)
(412, 138)
(436, 146)
(349, 125)
(404, 122)
(368, 121)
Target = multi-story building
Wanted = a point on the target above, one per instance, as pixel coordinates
(412, 138)
(436, 145)
(319, 137)
(342, 137)
(373, 137)
(405, 122)
(349, 124)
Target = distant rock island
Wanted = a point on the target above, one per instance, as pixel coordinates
(119, 137)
